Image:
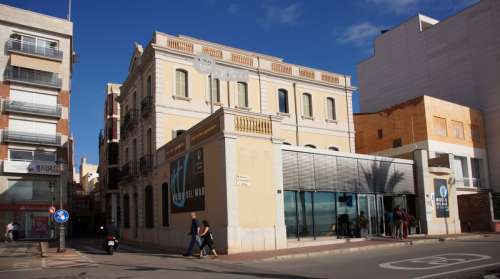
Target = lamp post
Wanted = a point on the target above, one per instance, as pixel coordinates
(52, 187)
(62, 235)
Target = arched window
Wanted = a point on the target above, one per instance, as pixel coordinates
(215, 90)
(283, 100)
(148, 207)
(310, 146)
(181, 83)
(333, 148)
(126, 211)
(242, 95)
(307, 105)
(331, 114)
(164, 204)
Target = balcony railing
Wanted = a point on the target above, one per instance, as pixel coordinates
(32, 138)
(32, 77)
(32, 108)
(33, 49)
(146, 106)
(129, 121)
(129, 170)
(146, 164)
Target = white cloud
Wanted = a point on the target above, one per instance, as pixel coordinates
(281, 14)
(360, 34)
(398, 6)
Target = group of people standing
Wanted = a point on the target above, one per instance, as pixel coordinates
(397, 222)
(201, 236)
(12, 231)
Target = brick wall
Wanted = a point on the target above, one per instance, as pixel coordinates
(475, 213)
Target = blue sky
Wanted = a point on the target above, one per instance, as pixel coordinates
(333, 35)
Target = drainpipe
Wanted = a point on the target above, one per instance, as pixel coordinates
(347, 110)
(296, 115)
(228, 95)
(260, 84)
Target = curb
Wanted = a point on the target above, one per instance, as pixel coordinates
(359, 249)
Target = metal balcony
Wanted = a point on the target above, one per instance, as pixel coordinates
(146, 164)
(32, 77)
(146, 106)
(31, 138)
(129, 170)
(32, 108)
(14, 45)
(129, 121)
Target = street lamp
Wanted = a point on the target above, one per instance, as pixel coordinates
(62, 235)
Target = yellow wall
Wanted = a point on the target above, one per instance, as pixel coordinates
(256, 202)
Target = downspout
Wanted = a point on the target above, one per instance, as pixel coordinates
(296, 115)
(347, 110)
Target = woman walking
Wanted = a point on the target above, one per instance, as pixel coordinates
(207, 238)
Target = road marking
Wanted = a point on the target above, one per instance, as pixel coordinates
(433, 262)
(456, 271)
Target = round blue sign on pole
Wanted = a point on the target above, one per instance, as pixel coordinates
(61, 216)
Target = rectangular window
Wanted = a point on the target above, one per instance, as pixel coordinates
(439, 126)
(149, 87)
(32, 127)
(181, 83)
(216, 90)
(476, 166)
(380, 133)
(461, 170)
(33, 98)
(27, 190)
(307, 104)
(330, 107)
(20, 155)
(397, 143)
(458, 129)
(242, 95)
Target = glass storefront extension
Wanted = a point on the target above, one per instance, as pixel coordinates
(341, 194)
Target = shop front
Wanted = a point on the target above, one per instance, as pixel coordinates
(332, 194)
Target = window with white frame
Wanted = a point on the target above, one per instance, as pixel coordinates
(307, 105)
(33, 127)
(331, 113)
(283, 101)
(32, 155)
(181, 83)
(35, 41)
(461, 170)
(242, 95)
(33, 98)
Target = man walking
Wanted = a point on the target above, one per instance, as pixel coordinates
(195, 235)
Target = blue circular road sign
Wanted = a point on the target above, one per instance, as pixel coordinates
(61, 216)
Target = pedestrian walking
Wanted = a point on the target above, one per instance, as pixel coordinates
(398, 223)
(389, 219)
(15, 231)
(8, 231)
(405, 219)
(207, 238)
(194, 232)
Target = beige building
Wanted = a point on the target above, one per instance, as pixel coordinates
(455, 59)
(452, 135)
(89, 176)
(36, 57)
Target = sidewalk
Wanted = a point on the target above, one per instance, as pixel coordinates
(349, 247)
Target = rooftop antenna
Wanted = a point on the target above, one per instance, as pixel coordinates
(69, 10)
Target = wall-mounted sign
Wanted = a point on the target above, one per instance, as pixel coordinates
(242, 180)
(187, 182)
(31, 167)
(205, 64)
(441, 198)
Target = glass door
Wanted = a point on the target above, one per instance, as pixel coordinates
(380, 215)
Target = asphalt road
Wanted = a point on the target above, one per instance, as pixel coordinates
(476, 258)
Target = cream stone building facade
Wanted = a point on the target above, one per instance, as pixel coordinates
(35, 83)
